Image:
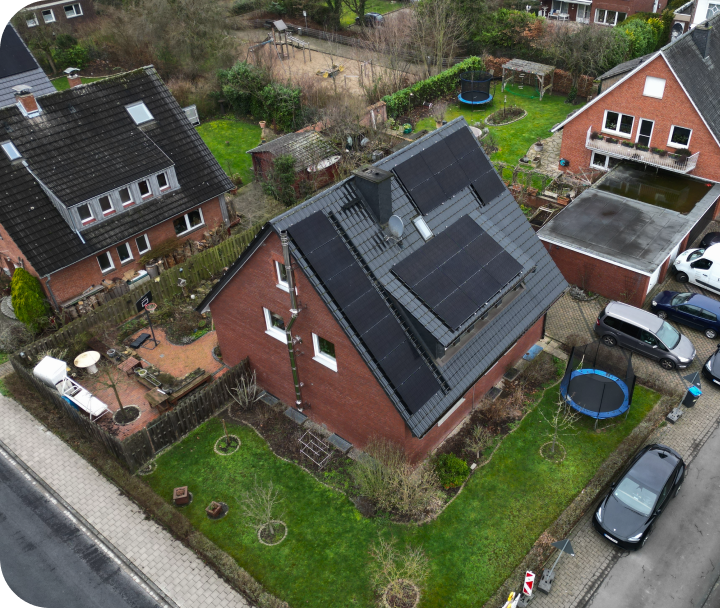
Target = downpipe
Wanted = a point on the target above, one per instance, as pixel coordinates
(294, 315)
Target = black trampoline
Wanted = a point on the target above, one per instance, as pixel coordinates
(599, 381)
(475, 88)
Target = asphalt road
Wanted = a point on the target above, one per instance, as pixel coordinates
(48, 561)
(680, 563)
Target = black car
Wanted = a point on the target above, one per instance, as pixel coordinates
(711, 369)
(711, 238)
(626, 516)
(371, 19)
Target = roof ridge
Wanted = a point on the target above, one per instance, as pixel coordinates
(102, 81)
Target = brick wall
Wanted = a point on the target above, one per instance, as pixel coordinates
(599, 276)
(673, 109)
(349, 402)
(72, 281)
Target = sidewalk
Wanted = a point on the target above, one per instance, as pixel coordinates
(172, 567)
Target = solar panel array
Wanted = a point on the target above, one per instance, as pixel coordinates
(365, 309)
(440, 171)
(458, 271)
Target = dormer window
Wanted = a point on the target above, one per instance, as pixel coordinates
(86, 215)
(31, 19)
(73, 10)
(11, 151)
(163, 183)
(139, 113)
(106, 205)
(126, 197)
(145, 191)
(48, 16)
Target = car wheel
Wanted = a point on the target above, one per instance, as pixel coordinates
(667, 364)
(662, 314)
(609, 341)
(681, 277)
(710, 333)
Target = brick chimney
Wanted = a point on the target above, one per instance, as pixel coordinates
(23, 93)
(73, 76)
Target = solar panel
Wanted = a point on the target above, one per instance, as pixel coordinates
(437, 156)
(452, 180)
(488, 186)
(456, 308)
(433, 289)
(330, 258)
(460, 142)
(418, 388)
(312, 232)
(413, 171)
(428, 195)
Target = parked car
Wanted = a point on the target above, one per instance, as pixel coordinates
(700, 267)
(692, 309)
(643, 332)
(627, 515)
(711, 369)
(371, 19)
(711, 238)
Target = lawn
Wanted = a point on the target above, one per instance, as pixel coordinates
(371, 6)
(229, 140)
(513, 139)
(473, 546)
(61, 84)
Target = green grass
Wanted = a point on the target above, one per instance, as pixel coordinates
(371, 6)
(229, 141)
(61, 84)
(473, 546)
(516, 138)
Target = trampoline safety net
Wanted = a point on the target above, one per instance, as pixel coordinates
(475, 87)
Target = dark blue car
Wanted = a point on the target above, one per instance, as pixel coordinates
(692, 309)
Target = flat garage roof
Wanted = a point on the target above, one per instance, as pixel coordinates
(621, 230)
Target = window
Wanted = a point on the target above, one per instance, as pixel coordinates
(423, 228)
(274, 325)
(188, 222)
(602, 161)
(609, 17)
(618, 124)
(654, 87)
(105, 261)
(560, 7)
(145, 190)
(48, 16)
(31, 19)
(679, 137)
(124, 253)
(72, 10)
(126, 198)
(86, 214)
(324, 352)
(163, 182)
(713, 9)
(143, 243)
(281, 274)
(139, 113)
(644, 132)
(11, 151)
(106, 205)
(702, 264)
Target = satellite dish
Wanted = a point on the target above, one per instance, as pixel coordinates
(396, 226)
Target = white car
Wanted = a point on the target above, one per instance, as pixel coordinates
(700, 267)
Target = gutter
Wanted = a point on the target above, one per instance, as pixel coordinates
(294, 312)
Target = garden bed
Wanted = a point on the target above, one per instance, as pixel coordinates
(505, 116)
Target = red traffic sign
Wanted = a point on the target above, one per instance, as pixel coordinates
(529, 583)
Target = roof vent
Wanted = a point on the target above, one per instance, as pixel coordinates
(373, 184)
(701, 38)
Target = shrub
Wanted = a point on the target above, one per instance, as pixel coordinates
(596, 135)
(641, 147)
(280, 182)
(28, 299)
(627, 144)
(13, 337)
(683, 152)
(540, 370)
(74, 57)
(451, 470)
(572, 95)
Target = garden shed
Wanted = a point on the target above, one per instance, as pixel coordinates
(520, 73)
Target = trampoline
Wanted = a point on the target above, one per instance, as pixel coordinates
(599, 381)
(475, 88)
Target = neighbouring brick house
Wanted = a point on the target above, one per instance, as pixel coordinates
(69, 12)
(96, 176)
(18, 66)
(602, 12)
(393, 336)
(620, 237)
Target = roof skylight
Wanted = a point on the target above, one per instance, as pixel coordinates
(11, 151)
(423, 228)
(139, 113)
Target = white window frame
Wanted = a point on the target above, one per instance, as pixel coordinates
(679, 146)
(149, 195)
(12, 152)
(52, 15)
(130, 253)
(423, 228)
(652, 131)
(139, 104)
(596, 166)
(606, 11)
(109, 257)
(714, 7)
(653, 81)
(281, 284)
(89, 220)
(167, 182)
(76, 7)
(187, 222)
(132, 198)
(562, 4)
(270, 329)
(147, 242)
(31, 19)
(321, 357)
(617, 132)
(112, 207)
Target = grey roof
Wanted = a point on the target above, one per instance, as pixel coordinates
(18, 66)
(699, 76)
(500, 217)
(626, 66)
(621, 230)
(78, 124)
(307, 147)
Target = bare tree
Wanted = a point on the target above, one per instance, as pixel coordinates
(258, 506)
(478, 439)
(394, 568)
(439, 30)
(562, 423)
(358, 8)
(110, 376)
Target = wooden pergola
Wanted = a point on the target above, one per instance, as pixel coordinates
(520, 66)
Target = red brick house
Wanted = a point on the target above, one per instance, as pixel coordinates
(61, 12)
(96, 176)
(392, 302)
(602, 12)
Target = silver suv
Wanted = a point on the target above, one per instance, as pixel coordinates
(644, 333)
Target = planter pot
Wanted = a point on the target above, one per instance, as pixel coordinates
(214, 509)
(539, 147)
(516, 188)
(181, 495)
(153, 271)
(111, 353)
(262, 124)
(438, 123)
(563, 200)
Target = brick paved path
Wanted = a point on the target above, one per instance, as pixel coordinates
(176, 570)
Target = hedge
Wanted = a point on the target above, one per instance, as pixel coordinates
(430, 89)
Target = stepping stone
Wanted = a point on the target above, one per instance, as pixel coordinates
(339, 443)
(295, 416)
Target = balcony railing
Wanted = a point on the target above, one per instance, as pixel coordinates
(672, 162)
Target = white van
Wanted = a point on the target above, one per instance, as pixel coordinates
(700, 267)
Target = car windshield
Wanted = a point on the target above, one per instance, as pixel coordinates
(634, 495)
(668, 335)
(680, 298)
(695, 255)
